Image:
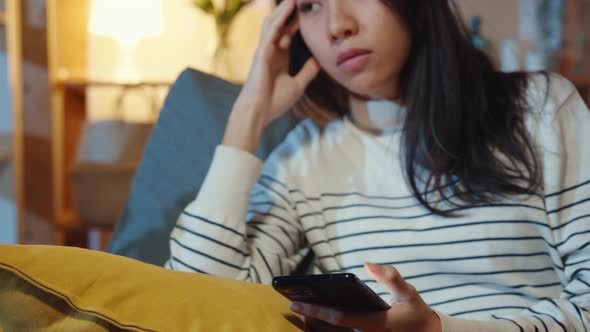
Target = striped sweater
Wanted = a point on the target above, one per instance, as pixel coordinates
(520, 264)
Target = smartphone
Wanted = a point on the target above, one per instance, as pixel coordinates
(298, 54)
(298, 50)
(343, 290)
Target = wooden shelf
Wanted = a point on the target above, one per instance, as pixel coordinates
(80, 83)
(4, 158)
(5, 150)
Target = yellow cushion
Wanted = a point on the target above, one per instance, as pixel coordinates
(45, 288)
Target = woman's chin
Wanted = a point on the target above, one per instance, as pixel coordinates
(358, 88)
(365, 87)
(364, 92)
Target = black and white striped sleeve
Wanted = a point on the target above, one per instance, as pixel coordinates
(241, 225)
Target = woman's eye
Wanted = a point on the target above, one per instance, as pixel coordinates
(307, 7)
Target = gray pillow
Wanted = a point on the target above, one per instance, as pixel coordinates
(176, 160)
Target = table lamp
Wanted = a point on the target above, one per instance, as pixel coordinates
(127, 22)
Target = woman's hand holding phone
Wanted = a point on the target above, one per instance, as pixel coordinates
(408, 311)
(269, 91)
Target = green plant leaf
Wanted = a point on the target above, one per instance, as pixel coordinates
(205, 5)
(233, 6)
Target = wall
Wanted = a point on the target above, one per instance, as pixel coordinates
(37, 224)
(5, 110)
(8, 220)
(188, 39)
(517, 20)
(500, 18)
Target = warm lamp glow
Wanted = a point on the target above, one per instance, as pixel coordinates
(126, 21)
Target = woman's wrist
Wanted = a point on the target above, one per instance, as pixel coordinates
(244, 129)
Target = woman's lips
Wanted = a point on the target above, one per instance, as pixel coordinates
(355, 63)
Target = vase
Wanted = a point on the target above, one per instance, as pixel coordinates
(221, 58)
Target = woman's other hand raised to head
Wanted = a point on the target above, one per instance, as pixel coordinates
(269, 91)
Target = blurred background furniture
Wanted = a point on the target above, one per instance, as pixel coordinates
(5, 149)
(116, 50)
(11, 123)
(176, 160)
(92, 160)
(108, 155)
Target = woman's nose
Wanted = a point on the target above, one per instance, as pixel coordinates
(341, 21)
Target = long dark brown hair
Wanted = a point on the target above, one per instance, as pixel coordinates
(465, 119)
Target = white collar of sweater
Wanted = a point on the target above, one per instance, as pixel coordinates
(376, 116)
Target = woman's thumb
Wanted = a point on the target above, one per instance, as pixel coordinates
(389, 277)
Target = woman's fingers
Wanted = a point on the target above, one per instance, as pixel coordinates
(285, 42)
(287, 33)
(340, 319)
(308, 72)
(276, 20)
(390, 277)
(269, 79)
(291, 28)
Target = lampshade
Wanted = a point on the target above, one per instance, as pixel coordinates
(126, 21)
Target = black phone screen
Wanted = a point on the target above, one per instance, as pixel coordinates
(343, 290)
(298, 51)
(298, 54)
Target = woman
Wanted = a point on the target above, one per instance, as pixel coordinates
(469, 187)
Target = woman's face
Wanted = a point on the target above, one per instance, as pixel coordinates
(362, 44)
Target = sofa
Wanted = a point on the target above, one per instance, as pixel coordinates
(176, 160)
(49, 288)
